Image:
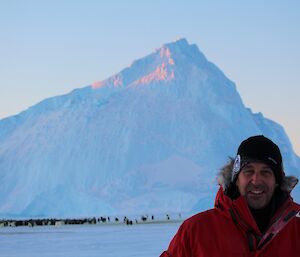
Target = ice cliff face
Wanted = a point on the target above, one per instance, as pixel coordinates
(149, 139)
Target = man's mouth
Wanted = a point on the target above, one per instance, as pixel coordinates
(256, 192)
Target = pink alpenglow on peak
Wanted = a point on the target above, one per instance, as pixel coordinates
(165, 52)
(161, 73)
(115, 81)
(97, 84)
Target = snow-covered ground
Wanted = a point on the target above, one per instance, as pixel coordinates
(142, 240)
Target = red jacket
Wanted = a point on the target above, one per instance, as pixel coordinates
(230, 230)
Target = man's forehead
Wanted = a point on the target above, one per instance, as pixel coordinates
(253, 164)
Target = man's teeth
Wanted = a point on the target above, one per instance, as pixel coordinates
(257, 192)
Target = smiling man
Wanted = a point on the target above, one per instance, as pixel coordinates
(257, 183)
(254, 214)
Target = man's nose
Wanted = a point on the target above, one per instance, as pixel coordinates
(256, 178)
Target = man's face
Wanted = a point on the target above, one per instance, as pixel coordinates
(256, 181)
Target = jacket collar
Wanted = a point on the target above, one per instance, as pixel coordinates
(238, 210)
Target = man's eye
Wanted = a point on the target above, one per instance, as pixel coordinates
(267, 172)
(247, 172)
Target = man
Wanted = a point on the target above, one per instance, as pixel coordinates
(254, 214)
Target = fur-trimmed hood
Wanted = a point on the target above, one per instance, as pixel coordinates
(224, 178)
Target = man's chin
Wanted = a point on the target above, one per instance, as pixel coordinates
(257, 202)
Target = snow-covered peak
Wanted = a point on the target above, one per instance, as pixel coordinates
(161, 73)
(160, 65)
(149, 139)
(156, 66)
(174, 49)
(182, 50)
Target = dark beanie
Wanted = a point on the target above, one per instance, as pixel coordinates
(262, 149)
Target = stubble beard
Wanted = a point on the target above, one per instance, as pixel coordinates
(258, 197)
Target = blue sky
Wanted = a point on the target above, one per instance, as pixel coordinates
(49, 47)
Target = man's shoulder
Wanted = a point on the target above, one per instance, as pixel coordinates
(201, 217)
(204, 222)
